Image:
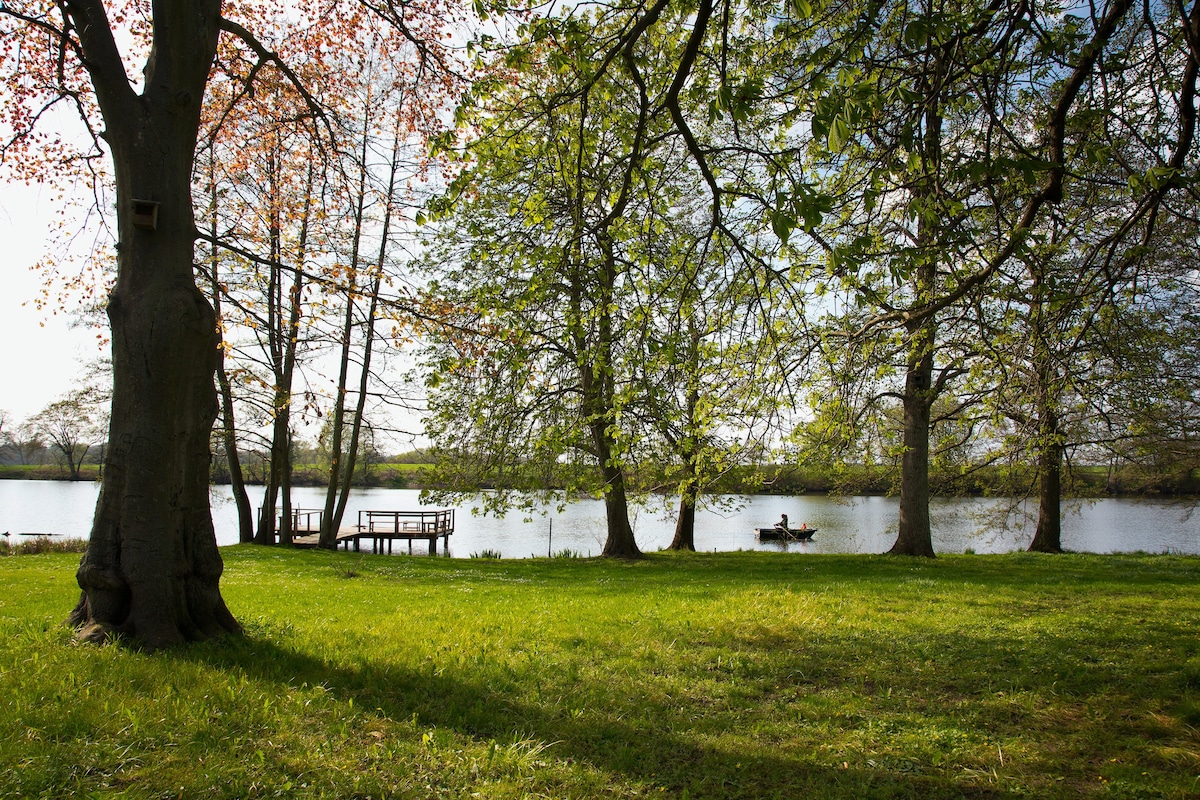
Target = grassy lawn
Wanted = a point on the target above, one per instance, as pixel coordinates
(738, 675)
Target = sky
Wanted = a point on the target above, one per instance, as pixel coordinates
(42, 355)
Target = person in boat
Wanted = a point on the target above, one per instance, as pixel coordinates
(782, 524)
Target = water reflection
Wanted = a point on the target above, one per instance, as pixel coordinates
(846, 525)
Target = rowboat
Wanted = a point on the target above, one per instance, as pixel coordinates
(785, 534)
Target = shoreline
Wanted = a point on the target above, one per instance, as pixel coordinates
(91, 474)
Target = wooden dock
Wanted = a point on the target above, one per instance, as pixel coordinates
(378, 527)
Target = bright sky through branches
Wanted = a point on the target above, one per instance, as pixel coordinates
(42, 354)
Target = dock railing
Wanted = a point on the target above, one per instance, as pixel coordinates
(305, 515)
(379, 526)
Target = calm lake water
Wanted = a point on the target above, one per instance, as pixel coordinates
(847, 525)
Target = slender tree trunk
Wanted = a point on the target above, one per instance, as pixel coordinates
(599, 390)
(368, 338)
(1048, 536)
(597, 407)
(360, 405)
(283, 337)
(281, 399)
(237, 481)
(914, 536)
(286, 520)
(689, 446)
(338, 471)
(266, 512)
(291, 338)
(72, 464)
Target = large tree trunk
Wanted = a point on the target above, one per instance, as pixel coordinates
(685, 525)
(1048, 537)
(620, 542)
(914, 537)
(152, 569)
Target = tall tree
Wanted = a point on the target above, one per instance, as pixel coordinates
(715, 341)
(152, 569)
(70, 426)
(541, 251)
(1074, 292)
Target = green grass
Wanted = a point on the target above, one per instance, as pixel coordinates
(738, 675)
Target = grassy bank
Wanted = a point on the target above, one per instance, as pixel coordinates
(740, 675)
(45, 472)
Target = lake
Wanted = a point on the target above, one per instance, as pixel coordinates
(845, 525)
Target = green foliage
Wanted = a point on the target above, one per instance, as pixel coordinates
(486, 553)
(599, 322)
(730, 676)
(35, 545)
(568, 553)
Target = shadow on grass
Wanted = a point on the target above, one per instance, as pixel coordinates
(669, 755)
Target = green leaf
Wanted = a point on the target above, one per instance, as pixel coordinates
(839, 133)
(916, 34)
(783, 224)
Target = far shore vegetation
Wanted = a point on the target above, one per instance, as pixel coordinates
(416, 470)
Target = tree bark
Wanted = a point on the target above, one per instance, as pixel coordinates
(152, 569)
(620, 542)
(1048, 536)
(689, 446)
(599, 395)
(685, 525)
(914, 537)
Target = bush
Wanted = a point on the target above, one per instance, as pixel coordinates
(41, 544)
(568, 553)
(486, 554)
